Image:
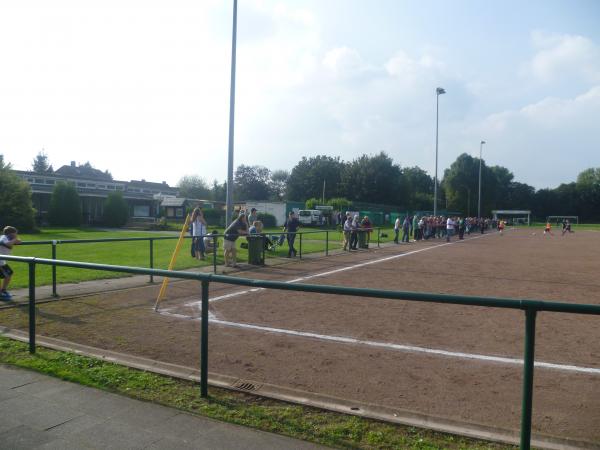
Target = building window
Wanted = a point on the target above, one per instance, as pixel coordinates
(179, 212)
(49, 181)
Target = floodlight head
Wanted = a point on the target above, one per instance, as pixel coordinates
(440, 91)
(483, 142)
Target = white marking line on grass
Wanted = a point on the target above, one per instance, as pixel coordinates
(410, 348)
(341, 269)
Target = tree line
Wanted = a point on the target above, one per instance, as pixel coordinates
(377, 179)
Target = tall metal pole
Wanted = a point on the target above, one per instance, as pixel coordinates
(229, 199)
(438, 92)
(479, 201)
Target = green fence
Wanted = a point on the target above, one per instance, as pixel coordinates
(300, 235)
(530, 308)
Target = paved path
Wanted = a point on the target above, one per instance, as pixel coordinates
(41, 412)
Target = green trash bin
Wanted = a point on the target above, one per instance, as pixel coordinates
(255, 250)
(362, 239)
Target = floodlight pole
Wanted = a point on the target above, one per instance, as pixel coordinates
(439, 91)
(229, 198)
(479, 201)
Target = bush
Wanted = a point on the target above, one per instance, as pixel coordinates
(65, 206)
(311, 203)
(214, 217)
(116, 211)
(268, 220)
(340, 204)
(15, 202)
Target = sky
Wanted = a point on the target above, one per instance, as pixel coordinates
(141, 88)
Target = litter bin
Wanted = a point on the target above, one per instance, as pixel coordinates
(255, 250)
(362, 239)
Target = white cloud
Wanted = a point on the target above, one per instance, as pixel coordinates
(564, 56)
(545, 143)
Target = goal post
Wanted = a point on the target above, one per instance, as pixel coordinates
(560, 219)
(517, 215)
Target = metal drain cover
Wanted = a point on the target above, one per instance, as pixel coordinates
(246, 385)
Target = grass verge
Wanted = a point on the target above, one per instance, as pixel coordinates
(332, 429)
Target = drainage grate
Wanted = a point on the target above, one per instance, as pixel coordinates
(246, 386)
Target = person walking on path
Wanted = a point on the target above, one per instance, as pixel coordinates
(8, 239)
(406, 230)
(291, 226)
(199, 230)
(234, 230)
(396, 229)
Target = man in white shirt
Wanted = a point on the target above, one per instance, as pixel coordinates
(7, 240)
(450, 224)
(396, 229)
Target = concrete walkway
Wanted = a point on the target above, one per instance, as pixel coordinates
(41, 412)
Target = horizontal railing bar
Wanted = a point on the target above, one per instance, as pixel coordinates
(493, 302)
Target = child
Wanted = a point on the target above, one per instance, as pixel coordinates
(7, 240)
(501, 226)
(547, 229)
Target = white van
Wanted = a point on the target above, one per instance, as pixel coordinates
(310, 217)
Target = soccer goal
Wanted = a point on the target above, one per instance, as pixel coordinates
(559, 219)
(514, 216)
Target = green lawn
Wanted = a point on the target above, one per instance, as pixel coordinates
(323, 427)
(136, 253)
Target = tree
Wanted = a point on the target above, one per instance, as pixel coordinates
(40, 163)
(218, 191)
(419, 188)
(116, 211)
(373, 179)
(588, 187)
(193, 186)
(65, 206)
(307, 177)
(252, 183)
(278, 184)
(15, 200)
(311, 203)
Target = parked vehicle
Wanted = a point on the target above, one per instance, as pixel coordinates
(310, 217)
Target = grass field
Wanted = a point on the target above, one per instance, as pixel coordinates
(135, 253)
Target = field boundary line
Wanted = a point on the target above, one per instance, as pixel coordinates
(410, 348)
(341, 269)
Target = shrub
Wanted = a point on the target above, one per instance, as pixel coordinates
(65, 206)
(116, 211)
(268, 220)
(15, 202)
(311, 203)
(214, 217)
(340, 204)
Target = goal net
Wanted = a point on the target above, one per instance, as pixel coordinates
(560, 219)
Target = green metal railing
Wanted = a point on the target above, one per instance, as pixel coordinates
(55, 243)
(530, 307)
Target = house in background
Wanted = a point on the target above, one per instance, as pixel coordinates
(93, 187)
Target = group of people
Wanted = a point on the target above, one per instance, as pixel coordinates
(352, 226)
(566, 228)
(417, 228)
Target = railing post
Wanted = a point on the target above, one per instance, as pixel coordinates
(326, 242)
(54, 293)
(528, 365)
(151, 259)
(32, 307)
(204, 342)
(263, 240)
(214, 253)
(300, 245)
(378, 233)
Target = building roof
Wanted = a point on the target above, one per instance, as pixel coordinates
(173, 201)
(89, 173)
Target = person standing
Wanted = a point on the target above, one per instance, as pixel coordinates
(406, 230)
(234, 230)
(291, 226)
(8, 239)
(450, 224)
(198, 232)
(347, 231)
(253, 216)
(354, 233)
(396, 229)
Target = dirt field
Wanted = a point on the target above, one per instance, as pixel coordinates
(429, 358)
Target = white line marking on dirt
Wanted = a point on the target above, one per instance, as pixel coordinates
(341, 269)
(411, 348)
